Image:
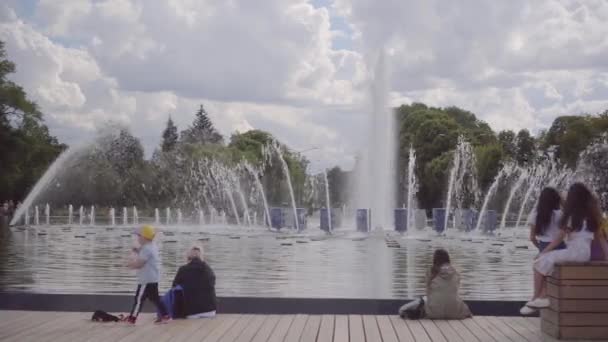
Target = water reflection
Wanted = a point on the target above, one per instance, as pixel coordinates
(258, 263)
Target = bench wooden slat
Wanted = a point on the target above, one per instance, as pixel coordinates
(593, 270)
(577, 292)
(576, 319)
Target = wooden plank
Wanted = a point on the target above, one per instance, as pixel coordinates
(507, 330)
(252, 328)
(462, 331)
(478, 331)
(490, 329)
(280, 330)
(341, 332)
(355, 328)
(181, 330)
(432, 330)
(36, 333)
(522, 324)
(370, 327)
(311, 329)
(19, 333)
(418, 331)
(205, 328)
(236, 329)
(448, 331)
(579, 305)
(326, 330)
(402, 330)
(226, 323)
(266, 329)
(296, 328)
(581, 271)
(577, 292)
(387, 331)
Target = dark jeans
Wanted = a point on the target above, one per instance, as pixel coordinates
(542, 245)
(147, 291)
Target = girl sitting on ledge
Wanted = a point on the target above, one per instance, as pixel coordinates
(580, 224)
(442, 300)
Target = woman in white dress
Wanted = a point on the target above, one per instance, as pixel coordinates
(580, 223)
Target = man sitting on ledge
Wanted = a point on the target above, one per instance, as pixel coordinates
(198, 283)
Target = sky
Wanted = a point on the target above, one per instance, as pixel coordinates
(301, 69)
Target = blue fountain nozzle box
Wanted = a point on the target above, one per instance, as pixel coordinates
(439, 219)
(277, 217)
(401, 223)
(364, 218)
(335, 218)
(465, 219)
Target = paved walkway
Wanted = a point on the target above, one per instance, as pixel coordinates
(70, 326)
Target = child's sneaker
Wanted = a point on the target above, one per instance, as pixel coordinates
(527, 311)
(163, 320)
(539, 303)
(130, 320)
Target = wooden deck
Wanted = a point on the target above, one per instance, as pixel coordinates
(70, 326)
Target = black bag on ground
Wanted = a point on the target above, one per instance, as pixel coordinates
(102, 316)
(417, 312)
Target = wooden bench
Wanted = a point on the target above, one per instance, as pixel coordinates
(579, 302)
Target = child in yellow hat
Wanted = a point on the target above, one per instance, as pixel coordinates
(147, 263)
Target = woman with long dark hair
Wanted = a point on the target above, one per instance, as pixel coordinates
(442, 300)
(544, 227)
(579, 225)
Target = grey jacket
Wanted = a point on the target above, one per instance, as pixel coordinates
(443, 301)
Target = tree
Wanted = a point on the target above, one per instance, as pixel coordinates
(202, 130)
(525, 147)
(508, 143)
(169, 136)
(26, 147)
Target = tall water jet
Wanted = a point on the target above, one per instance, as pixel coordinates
(36, 216)
(81, 215)
(463, 168)
(156, 216)
(490, 193)
(376, 181)
(125, 216)
(234, 210)
(328, 202)
(453, 174)
(43, 182)
(168, 214)
(70, 214)
(180, 218)
(27, 217)
(260, 187)
(112, 215)
(47, 214)
(255, 218)
(135, 216)
(534, 182)
(201, 217)
(246, 218)
(291, 193)
(520, 180)
(412, 187)
(92, 215)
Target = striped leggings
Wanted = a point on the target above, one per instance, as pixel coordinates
(147, 291)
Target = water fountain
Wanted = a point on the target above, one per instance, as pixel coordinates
(288, 176)
(156, 216)
(412, 187)
(246, 218)
(523, 175)
(70, 214)
(125, 218)
(463, 178)
(27, 217)
(135, 216)
(168, 216)
(201, 217)
(260, 187)
(255, 218)
(36, 216)
(47, 214)
(81, 215)
(112, 216)
(503, 172)
(180, 219)
(375, 172)
(92, 215)
(328, 202)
